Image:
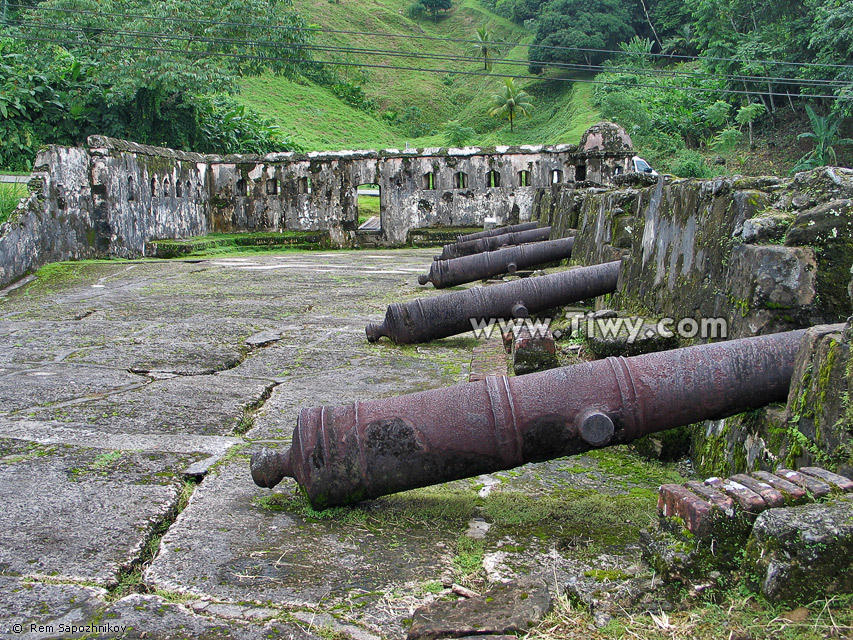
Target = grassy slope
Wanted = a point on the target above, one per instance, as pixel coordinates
(10, 195)
(313, 116)
(318, 120)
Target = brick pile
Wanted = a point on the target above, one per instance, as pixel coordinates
(707, 507)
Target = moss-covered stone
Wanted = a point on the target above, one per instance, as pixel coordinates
(628, 336)
(828, 229)
(796, 554)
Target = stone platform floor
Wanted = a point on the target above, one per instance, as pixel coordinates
(131, 397)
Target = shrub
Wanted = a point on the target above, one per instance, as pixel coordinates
(690, 164)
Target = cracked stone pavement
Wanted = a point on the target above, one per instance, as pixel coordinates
(126, 385)
(121, 381)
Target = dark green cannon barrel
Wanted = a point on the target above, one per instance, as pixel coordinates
(340, 455)
(456, 312)
(493, 243)
(497, 231)
(449, 273)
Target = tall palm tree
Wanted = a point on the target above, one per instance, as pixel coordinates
(482, 47)
(511, 101)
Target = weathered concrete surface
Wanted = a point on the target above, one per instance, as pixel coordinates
(95, 455)
(81, 514)
(45, 604)
(50, 610)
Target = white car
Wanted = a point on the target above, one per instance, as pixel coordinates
(641, 166)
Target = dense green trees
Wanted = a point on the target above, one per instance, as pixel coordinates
(585, 26)
(672, 106)
(431, 7)
(143, 70)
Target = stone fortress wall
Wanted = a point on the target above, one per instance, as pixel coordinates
(113, 197)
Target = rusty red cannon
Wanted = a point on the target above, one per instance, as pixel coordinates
(493, 243)
(449, 273)
(497, 231)
(341, 455)
(452, 313)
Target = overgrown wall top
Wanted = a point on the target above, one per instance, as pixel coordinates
(766, 254)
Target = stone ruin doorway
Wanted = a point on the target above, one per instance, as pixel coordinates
(369, 208)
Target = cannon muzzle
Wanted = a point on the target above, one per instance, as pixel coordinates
(270, 467)
(449, 273)
(493, 243)
(456, 312)
(497, 231)
(341, 455)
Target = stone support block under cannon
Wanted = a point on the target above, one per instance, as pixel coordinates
(452, 313)
(341, 455)
(449, 273)
(493, 243)
(498, 231)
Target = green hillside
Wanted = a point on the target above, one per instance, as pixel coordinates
(412, 106)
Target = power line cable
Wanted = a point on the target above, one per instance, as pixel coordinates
(201, 54)
(434, 38)
(434, 56)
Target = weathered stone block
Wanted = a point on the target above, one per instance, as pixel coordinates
(817, 420)
(771, 288)
(507, 608)
(829, 228)
(799, 553)
(628, 337)
(768, 226)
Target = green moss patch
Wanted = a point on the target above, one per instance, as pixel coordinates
(216, 244)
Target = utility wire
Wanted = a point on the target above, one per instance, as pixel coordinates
(434, 38)
(433, 56)
(202, 54)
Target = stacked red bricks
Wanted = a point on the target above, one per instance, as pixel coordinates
(706, 507)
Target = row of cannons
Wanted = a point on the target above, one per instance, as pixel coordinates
(342, 455)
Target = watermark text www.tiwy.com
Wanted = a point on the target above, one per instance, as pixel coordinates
(632, 329)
